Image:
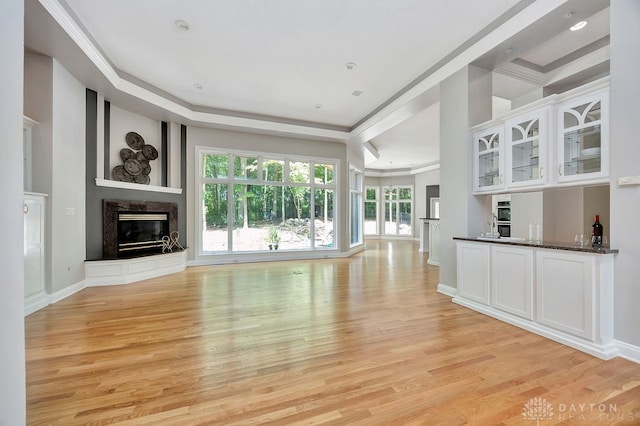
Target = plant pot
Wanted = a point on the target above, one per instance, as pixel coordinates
(270, 246)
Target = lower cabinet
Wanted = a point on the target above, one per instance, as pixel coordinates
(434, 243)
(565, 292)
(563, 295)
(473, 271)
(512, 280)
(34, 252)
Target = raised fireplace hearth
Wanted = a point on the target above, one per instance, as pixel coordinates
(136, 228)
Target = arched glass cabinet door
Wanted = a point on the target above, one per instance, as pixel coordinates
(488, 167)
(583, 148)
(526, 152)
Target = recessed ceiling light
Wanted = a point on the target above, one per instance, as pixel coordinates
(356, 93)
(350, 66)
(198, 86)
(508, 51)
(182, 25)
(568, 15)
(580, 25)
(318, 106)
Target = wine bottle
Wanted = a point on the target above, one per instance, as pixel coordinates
(597, 231)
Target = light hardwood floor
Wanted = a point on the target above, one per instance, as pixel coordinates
(365, 340)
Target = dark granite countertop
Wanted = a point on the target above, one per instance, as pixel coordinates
(428, 218)
(542, 244)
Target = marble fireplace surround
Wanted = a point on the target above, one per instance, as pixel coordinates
(110, 211)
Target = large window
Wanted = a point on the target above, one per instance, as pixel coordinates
(398, 206)
(371, 211)
(251, 202)
(355, 189)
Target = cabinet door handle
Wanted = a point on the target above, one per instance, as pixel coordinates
(560, 169)
(25, 208)
(541, 172)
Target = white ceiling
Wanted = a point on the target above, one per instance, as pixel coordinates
(279, 66)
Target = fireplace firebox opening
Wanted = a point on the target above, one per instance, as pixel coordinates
(136, 228)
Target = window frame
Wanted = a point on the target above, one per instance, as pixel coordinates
(231, 180)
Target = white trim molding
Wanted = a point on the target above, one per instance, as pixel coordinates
(447, 290)
(126, 271)
(628, 351)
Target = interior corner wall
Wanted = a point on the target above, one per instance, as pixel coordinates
(66, 200)
(624, 155)
(12, 355)
(465, 100)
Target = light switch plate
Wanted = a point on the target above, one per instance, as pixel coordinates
(629, 180)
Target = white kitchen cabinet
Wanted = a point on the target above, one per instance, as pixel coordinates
(512, 280)
(434, 243)
(583, 137)
(488, 159)
(473, 271)
(551, 290)
(527, 140)
(565, 292)
(34, 252)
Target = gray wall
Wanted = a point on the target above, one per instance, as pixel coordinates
(12, 358)
(625, 153)
(55, 99)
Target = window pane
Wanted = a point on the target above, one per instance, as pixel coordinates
(245, 168)
(370, 218)
(323, 173)
(296, 228)
(273, 170)
(215, 166)
(356, 200)
(405, 219)
(371, 194)
(323, 222)
(390, 218)
(214, 200)
(250, 226)
(405, 193)
(390, 193)
(299, 171)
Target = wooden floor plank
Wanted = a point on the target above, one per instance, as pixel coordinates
(364, 340)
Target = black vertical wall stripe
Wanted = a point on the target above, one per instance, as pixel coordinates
(107, 139)
(163, 148)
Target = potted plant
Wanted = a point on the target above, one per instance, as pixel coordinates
(274, 238)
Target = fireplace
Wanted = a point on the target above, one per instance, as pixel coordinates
(136, 228)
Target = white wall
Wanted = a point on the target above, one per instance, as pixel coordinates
(527, 208)
(420, 208)
(12, 358)
(67, 199)
(465, 100)
(625, 153)
(228, 140)
(123, 122)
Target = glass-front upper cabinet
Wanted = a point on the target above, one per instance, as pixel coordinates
(526, 148)
(583, 139)
(487, 146)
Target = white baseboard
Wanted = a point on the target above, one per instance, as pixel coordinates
(433, 262)
(272, 256)
(66, 292)
(447, 290)
(627, 351)
(603, 351)
(35, 303)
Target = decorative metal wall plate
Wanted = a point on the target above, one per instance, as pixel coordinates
(134, 140)
(150, 152)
